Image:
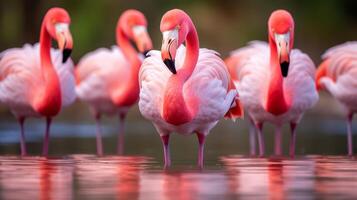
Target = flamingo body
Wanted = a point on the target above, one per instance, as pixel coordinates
(33, 80)
(207, 87)
(340, 72)
(253, 74)
(107, 79)
(96, 73)
(20, 72)
(337, 74)
(185, 89)
(275, 82)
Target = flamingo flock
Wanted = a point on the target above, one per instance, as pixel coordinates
(181, 88)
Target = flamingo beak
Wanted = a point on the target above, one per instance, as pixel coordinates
(283, 46)
(142, 40)
(64, 39)
(169, 48)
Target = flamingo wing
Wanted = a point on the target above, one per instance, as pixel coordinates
(340, 70)
(19, 75)
(153, 76)
(342, 60)
(253, 73)
(97, 70)
(300, 82)
(209, 82)
(239, 57)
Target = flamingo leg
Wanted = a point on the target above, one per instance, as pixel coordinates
(349, 134)
(120, 147)
(277, 148)
(252, 138)
(47, 137)
(259, 127)
(201, 141)
(292, 139)
(21, 121)
(165, 144)
(98, 135)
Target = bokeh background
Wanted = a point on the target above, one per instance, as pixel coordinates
(223, 26)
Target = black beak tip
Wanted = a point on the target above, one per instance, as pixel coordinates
(171, 65)
(66, 54)
(145, 53)
(284, 68)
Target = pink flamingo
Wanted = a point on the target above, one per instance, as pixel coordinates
(35, 80)
(107, 79)
(193, 94)
(275, 83)
(337, 73)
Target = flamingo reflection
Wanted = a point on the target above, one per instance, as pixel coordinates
(108, 177)
(335, 179)
(272, 178)
(36, 178)
(181, 184)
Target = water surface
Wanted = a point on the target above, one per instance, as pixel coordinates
(134, 177)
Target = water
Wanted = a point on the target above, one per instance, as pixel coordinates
(136, 177)
(73, 171)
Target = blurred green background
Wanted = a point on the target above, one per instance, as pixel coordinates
(222, 26)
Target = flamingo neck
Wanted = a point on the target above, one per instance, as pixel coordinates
(277, 102)
(176, 108)
(127, 95)
(48, 101)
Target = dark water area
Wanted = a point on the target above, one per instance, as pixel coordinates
(81, 176)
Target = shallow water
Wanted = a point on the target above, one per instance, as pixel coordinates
(73, 171)
(134, 177)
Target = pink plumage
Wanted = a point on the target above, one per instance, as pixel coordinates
(337, 74)
(35, 80)
(184, 89)
(107, 79)
(267, 94)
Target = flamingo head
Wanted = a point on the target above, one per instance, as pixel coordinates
(174, 28)
(133, 25)
(57, 24)
(281, 33)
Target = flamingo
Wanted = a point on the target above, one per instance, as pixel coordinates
(337, 74)
(275, 83)
(185, 89)
(37, 81)
(107, 79)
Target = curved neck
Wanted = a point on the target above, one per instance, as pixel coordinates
(192, 51)
(128, 50)
(276, 101)
(127, 95)
(176, 108)
(48, 101)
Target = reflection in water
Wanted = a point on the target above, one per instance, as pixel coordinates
(281, 178)
(35, 178)
(107, 177)
(133, 177)
(336, 176)
(183, 185)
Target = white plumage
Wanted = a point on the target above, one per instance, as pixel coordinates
(209, 82)
(97, 72)
(341, 74)
(20, 73)
(254, 74)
